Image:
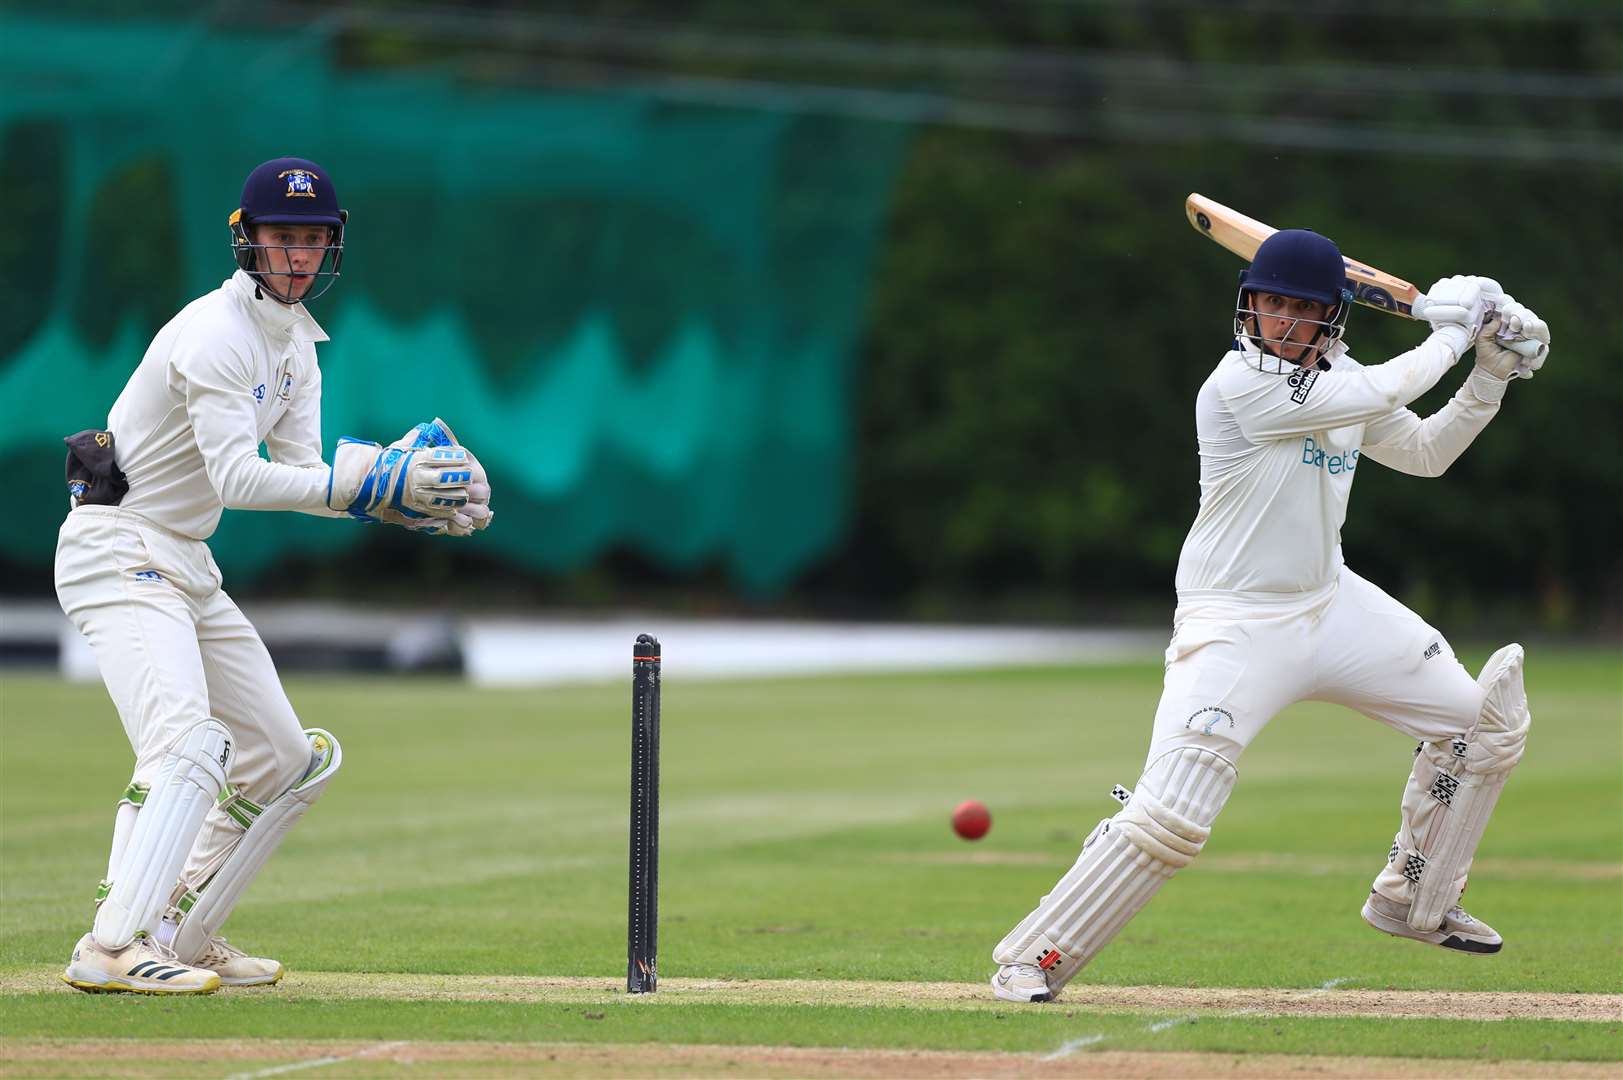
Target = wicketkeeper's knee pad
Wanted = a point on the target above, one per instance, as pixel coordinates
(150, 850)
(1451, 794)
(200, 905)
(1124, 862)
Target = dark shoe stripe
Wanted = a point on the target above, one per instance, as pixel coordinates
(1455, 942)
(143, 967)
(170, 974)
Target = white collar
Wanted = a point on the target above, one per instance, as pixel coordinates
(287, 320)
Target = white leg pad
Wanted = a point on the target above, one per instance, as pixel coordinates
(129, 808)
(202, 907)
(190, 776)
(1124, 862)
(1451, 793)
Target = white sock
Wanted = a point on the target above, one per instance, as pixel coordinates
(166, 932)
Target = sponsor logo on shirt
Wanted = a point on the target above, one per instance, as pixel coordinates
(1432, 650)
(1320, 459)
(1301, 382)
(259, 392)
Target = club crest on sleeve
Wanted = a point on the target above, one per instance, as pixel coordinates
(301, 183)
(1301, 382)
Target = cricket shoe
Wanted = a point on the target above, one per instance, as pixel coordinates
(237, 968)
(1457, 931)
(141, 967)
(1021, 982)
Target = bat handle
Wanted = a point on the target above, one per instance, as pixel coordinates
(1417, 310)
(1529, 349)
(1417, 307)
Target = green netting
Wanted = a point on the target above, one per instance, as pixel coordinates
(642, 316)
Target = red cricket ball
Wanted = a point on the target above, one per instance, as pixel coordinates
(971, 820)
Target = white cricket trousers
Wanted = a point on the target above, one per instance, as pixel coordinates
(1235, 662)
(173, 648)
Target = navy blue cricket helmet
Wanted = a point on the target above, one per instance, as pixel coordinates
(289, 191)
(1306, 266)
(1301, 264)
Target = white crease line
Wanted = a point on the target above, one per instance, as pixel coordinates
(1163, 1025)
(317, 1063)
(1073, 1046)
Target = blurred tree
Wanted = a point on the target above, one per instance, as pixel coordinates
(1041, 316)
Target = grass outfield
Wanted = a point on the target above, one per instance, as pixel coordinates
(482, 834)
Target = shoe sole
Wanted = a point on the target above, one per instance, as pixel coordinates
(1019, 999)
(272, 981)
(1452, 941)
(116, 987)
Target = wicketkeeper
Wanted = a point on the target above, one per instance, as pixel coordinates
(1268, 614)
(223, 768)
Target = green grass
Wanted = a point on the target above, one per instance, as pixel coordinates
(1014, 1029)
(805, 836)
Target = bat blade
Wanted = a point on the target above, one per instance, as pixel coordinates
(1243, 235)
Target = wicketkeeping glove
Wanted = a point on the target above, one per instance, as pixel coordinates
(367, 478)
(475, 514)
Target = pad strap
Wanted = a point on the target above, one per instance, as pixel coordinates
(1160, 832)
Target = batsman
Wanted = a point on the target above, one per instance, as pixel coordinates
(1268, 613)
(223, 767)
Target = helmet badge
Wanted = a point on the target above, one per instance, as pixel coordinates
(300, 183)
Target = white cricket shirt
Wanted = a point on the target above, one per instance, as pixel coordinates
(1278, 455)
(228, 372)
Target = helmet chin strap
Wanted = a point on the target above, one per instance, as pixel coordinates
(1311, 355)
(264, 281)
(262, 288)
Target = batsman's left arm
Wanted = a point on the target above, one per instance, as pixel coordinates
(1513, 343)
(1401, 440)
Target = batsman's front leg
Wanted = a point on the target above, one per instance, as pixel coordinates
(1124, 862)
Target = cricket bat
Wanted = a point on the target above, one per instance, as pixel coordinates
(1243, 235)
